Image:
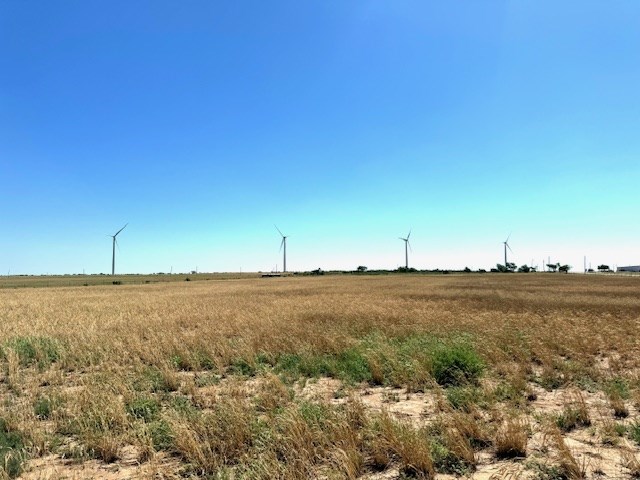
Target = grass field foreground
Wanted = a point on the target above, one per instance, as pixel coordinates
(323, 377)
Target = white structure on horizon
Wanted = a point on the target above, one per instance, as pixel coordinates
(633, 268)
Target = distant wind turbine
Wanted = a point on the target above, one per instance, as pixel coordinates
(506, 245)
(283, 247)
(113, 257)
(407, 246)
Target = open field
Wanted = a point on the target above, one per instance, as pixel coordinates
(359, 377)
(39, 281)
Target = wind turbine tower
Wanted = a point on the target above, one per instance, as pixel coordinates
(283, 247)
(407, 245)
(506, 245)
(113, 257)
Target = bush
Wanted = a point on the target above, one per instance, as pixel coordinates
(456, 364)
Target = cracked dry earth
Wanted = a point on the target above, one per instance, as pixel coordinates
(598, 454)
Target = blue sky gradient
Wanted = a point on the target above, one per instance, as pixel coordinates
(203, 124)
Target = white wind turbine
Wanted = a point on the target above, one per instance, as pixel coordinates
(407, 246)
(506, 245)
(113, 257)
(283, 246)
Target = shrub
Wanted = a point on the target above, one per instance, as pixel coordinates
(456, 364)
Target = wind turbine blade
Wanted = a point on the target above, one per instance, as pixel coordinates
(409, 243)
(409, 234)
(403, 239)
(509, 247)
(507, 240)
(278, 230)
(121, 229)
(282, 243)
(117, 244)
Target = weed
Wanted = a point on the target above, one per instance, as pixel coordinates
(207, 379)
(463, 398)
(161, 434)
(240, 366)
(44, 406)
(551, 378)
(456, 364)
(574, 414)
(445, 461)
(143, 407)
(611, 432)
(12, 451)
(183, 406)
(617, 387)
(634, 431)
(154, 379)
(42, 351)
(546, 472)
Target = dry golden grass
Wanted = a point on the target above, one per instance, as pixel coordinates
(205, 372)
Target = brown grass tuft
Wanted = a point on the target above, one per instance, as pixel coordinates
(511, 439)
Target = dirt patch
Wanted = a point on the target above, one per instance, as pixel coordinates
(54, 467)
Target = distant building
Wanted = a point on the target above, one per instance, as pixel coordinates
(634, 268)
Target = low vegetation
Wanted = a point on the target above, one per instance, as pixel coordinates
(320, 376)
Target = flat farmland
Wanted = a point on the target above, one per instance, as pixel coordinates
(330, 377)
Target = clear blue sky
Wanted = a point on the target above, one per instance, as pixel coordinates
(203, 124)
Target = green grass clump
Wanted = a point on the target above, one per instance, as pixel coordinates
(143, 408)
(404, 361)
(617, 388)
(446, 461)
(12, 451)
(634, 431)
(572, 417)
(152, 379)
(463, 398)
(161, 434)
(350, 365)
(44, 405)
(40, 351)
(455, 364)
